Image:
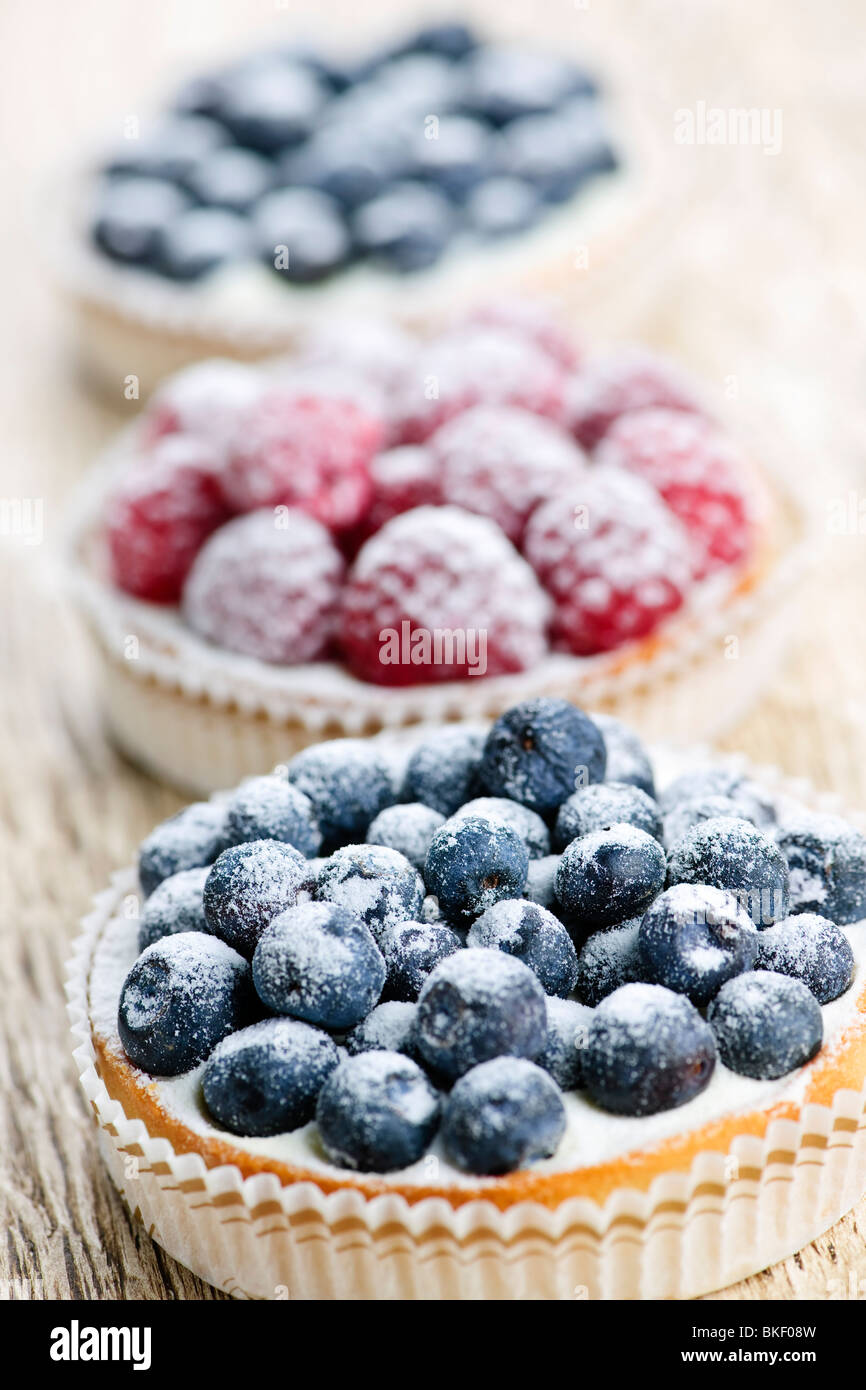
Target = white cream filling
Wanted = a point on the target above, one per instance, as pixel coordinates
(591, 1136)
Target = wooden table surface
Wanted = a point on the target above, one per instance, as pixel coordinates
(751, 271)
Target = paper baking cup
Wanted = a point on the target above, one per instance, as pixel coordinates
(730, 1215)
(201, 718)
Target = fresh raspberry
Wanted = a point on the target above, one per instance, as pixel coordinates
(304, 449)
(500, 462)
(475, 366)
(532, 319)
(267, 585)
(402, 478)
(698, 473)
(613, 556)
(205, 399)
(374, 349)
(159, 515)
(629, 379)
(441, 570)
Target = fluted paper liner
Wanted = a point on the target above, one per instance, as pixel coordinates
(730, 1215)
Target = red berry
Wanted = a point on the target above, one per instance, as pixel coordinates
(698, 473)
(374, 349)
(500, 462)
(402, 478)
(304, 449)
(475, 366)
(160, 513)
(630, 379)
(267, 585)
(613, 556)
(532, 319)
(205, 399)
(437, 595)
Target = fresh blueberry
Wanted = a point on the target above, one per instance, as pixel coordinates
(601, 805)
(647, 1049)
(270, 808)
(502, 207)
(680, 819)
(567, 1030)
(479, 1004)
(248, 886)
(533, 935)
(694, 938)
(540, 751)
(412, 950)
(376, 884)
(377, 1112)
(529, 826)
(266, 1079)
(765, 1024)
(812, 949)
(390, 1027)
(199, 241)
(455, 155)
(627, 759)
(733, 854)
(610, 875)
(346, 161)
(170, 149)
(754, 803)
(541, 882)
(443, 770)
(446, 39)
(131, 215)
(472, 864)
(183, 995)
(502, 1115)
(406, 228)
(826, 856)
(607, 960)
(301, 234)
(268, 106)
(189, 840)
(555, 153)
(318, 963)
(174, 905)
(503, 83)
(407, 829)
(231, 178)
(348, 784)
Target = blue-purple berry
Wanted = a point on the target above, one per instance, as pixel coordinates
(478, 1004)
(270, 808)
(442, 772)
(609, 876)
(735, 855)
(266, 1079)
(502, 1115)
(766, 1025)
(567, 1031)
(472, 864)
(348, 784)
(319, 963)
(826, 857)
(175, 905)
(533, 935)
(602, 804)
(411, 951)
(189, 840)
(693, 938)
(389, 1027)
(812, 949)
(408, 829)
(608, 959)
(183, 995)
(529, 826)
(248, 886)
(540, 751)
(377, 1113)
(647, 1049)
(375, 883)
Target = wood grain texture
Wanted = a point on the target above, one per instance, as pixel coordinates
(757, 281)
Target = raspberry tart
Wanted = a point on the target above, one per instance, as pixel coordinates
(323, 545)
(290, 181)
(484, 1013)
